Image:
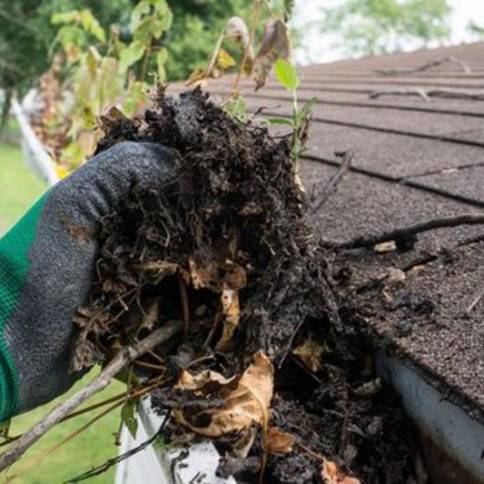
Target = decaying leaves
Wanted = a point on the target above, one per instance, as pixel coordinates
(368, 389)
(237, 31)
(310, 352)
(246, 399)
(275, 45)
(204, 274)
(279, 442)
(231, 311)
(225, 60)
(331, 473)
(197, 76)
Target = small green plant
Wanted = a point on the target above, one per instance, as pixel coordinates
(288, 78)
(274, 51)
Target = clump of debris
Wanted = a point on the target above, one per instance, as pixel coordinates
(271, 364)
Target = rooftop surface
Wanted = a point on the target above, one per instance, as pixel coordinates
(416, 158)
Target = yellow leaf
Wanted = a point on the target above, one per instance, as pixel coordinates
(196, 76)
(61, 171)
(231, 310)
(225, 60)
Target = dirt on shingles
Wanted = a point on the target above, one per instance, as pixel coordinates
(233, 215)
(424, 318)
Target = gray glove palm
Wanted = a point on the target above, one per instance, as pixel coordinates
(46, 270)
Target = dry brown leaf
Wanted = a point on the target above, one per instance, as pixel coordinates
(204, 275)
(236, 30)
(196, 76)
(279, 442)
(310, 352)
(332, 474)
(246, 401)
(275, 44)
(231, 311)
(204, 382)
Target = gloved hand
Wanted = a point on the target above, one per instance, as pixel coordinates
(46, 270)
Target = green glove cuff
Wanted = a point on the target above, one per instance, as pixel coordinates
(14, 266)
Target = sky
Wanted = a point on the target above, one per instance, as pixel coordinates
(323, 48)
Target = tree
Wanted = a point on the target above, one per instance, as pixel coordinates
(26, 33)
(372, 27)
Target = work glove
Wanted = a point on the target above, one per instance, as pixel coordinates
(47, 266)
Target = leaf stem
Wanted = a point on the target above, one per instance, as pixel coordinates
(253, 28)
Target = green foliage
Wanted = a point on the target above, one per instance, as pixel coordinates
(379, 26)
(196, 26)
(129, 412)
(287, 75)
(26, 34)
(288, 78)
(105, 71)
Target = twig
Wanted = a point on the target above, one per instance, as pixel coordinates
(474, 303)
(116, 460)
(253, 28)
(334, 182)
(184, 303)
(423, 67)
(405, 233)
(426, 94)
(125, 356)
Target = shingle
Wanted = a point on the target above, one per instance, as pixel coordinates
(405, 170)
(467, 182)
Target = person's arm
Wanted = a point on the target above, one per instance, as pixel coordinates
(46, 270)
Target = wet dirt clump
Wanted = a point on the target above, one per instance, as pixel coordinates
(272, 364)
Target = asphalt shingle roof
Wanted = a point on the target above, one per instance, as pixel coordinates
(414, 160)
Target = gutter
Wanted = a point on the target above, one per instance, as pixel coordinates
(452, 441)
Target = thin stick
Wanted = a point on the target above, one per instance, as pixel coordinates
(474, 303)
(406, 232)
(125, 356)
(253, 27)
(116, 460)
(184, 304)
(334, 182)
(423, 67)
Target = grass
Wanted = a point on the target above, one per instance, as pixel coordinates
(19, 189)
(93, 447)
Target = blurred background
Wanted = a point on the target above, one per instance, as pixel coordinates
(67, 61)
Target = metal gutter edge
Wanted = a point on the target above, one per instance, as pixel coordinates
(453, 441)
(34, 153)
